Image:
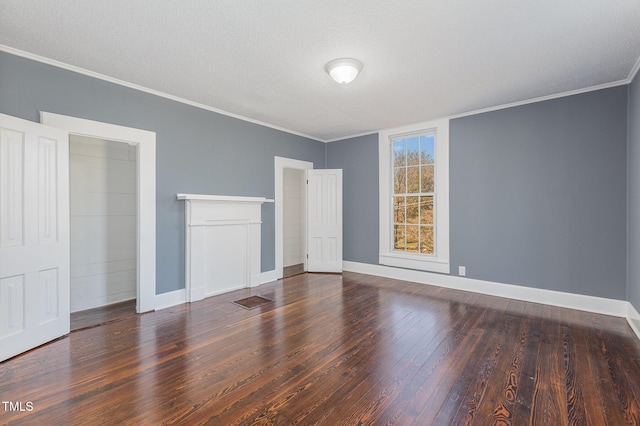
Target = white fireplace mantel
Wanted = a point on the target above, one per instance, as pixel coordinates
(224, 198)
(222, 243)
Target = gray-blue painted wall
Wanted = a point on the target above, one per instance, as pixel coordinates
(198, 151)
(633, 261)
(537, 194)
(357, 157)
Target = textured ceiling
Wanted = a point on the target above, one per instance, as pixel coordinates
(265, 60)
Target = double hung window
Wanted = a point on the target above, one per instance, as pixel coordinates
(414, 196)
(413, 193)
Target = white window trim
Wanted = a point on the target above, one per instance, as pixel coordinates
(434, 263)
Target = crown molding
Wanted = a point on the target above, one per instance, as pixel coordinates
(634, 71)
(543, 98)
(119, 82)
(357, 135)
(512, 104)
(58, 64)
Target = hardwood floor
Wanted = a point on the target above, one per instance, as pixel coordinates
(102, 315)
(334, 350)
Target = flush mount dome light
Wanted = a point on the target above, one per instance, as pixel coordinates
(343, 70)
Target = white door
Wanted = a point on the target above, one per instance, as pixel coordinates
(34, 235)
(324, 220)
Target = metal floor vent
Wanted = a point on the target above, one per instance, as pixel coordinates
(252, 302)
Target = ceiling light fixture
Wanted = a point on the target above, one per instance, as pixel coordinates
(343, 70)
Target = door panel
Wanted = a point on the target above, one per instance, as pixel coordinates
(324, 223)
(11, 192)
(34, 235)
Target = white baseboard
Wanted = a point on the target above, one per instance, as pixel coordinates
(599, 305)
(633, 318)
(172, 298)
(268, 276)
(177, 297)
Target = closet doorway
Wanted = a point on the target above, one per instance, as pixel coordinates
(103, 236)
(291, 215)
(294, 220)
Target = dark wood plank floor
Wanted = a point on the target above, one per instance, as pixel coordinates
(102, 315)
(334, 350)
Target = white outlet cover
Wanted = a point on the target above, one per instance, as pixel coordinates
(462, 271)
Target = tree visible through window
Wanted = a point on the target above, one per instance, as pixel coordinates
(414, 193)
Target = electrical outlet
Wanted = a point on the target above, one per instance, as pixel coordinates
(462, 271)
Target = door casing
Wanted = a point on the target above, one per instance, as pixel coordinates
(145, 142)
(282, 163)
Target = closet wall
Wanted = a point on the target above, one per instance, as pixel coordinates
(102, 187)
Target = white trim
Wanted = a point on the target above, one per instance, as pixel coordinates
(172, 298)
(440, 261)
(146, 201)
(119, 82)
(357, 135)
(58, 64)
(542, 98)
(179, 297)
(233, 199)
(268, 276)
(281, 163)
(599, 305)
(634, 71)
(626, 81)
(633, 318)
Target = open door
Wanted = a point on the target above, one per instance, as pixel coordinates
(324, 220)
(34, 235)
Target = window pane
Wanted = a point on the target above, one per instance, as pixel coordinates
(426, 240)
(400, 180)
(399, 157)
(427, 142)
(413, 180)
(426, 210)
(413, 151)
(398, 210)
(398, 237)
(412, 238)
(427, 179)
(412, 210)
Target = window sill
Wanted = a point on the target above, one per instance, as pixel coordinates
(407, 260)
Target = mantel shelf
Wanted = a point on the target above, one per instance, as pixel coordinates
(223, 198)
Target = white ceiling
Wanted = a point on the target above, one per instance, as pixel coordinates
(265, 60)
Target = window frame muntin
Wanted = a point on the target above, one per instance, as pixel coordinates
(392, 194)
(438, 262)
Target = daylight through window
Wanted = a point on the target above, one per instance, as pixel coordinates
(413, 162)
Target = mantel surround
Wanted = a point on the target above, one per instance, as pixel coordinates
(222, 243)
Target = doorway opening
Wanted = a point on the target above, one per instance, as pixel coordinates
(145, 230)
(294, 215)
(290, 208)
(103, 238)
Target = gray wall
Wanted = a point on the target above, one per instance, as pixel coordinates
(198, 151)
(358, 158)
(633, 261)
(537, 193)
